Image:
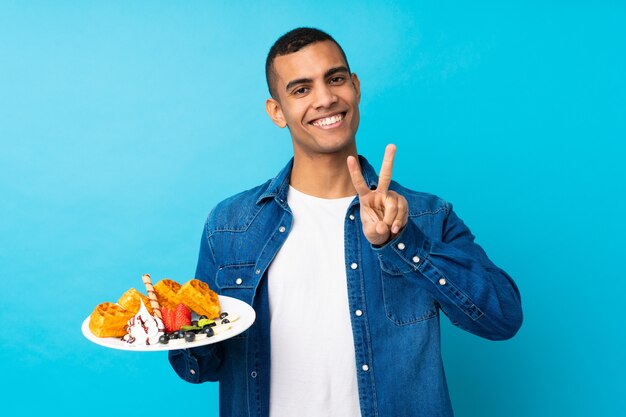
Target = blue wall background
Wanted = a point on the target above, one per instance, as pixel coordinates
(123, 123)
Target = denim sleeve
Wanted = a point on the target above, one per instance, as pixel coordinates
(196, 365)
(474, 293)
(200, 364)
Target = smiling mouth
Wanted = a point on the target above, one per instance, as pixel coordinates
(330, 121)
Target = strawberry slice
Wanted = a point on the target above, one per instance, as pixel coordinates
(182, 316)
(169, 315)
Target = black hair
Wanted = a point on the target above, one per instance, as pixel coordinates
(291, 42)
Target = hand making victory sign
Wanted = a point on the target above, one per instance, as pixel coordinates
(383, 213)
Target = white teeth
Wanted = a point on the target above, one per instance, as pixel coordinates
(328, 120)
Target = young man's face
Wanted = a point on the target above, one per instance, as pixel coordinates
(317, 99)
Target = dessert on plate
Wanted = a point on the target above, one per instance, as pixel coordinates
(164, 315)
(143, 328)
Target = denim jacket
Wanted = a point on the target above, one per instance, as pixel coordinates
(395, 293)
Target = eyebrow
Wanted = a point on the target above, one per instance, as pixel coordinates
(327, 74)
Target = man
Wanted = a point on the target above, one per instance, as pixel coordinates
(346, 270)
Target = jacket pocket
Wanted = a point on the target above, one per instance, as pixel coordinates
(237, 281)
(406, 299)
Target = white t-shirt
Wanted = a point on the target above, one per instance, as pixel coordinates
(313, 368)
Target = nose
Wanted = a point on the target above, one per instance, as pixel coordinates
(324, 96)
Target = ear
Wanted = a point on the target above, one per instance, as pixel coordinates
(357, 85)
(275, 112)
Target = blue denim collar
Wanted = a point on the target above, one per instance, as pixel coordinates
(279, 186)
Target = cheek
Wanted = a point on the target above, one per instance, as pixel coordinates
(294, 114)
(356, 116)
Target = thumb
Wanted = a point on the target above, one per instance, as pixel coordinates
(382, 230)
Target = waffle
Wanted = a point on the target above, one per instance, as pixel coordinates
(167, 293)
(197, 295)
(130, 301)
(109, 320)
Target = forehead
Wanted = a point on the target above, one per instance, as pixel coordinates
(311, 62)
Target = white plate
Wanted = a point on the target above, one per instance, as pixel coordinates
(228, 304)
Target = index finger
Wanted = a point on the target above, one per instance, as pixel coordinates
(384, 178)
(357, 178)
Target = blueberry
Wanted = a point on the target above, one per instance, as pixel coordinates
(225, 321)
(208, 330)
(202, 317)
(190, 336)
(223, 315)
(164, 339)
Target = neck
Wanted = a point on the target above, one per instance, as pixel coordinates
(323, 176)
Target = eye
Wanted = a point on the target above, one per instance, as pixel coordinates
(339, 79)
(300, 91)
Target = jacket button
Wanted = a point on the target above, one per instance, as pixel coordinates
(401, 246)
(365, 368)
(416, 259)
(281, 229)
(359, 313)
(442, 281)
(192, 371)
(253, 374)
(238, 281)
(258, 271)
(351, 217)
(353, 265)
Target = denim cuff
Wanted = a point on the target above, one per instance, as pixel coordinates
(187, 361)
(404, 253)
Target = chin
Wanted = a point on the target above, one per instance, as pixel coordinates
(342, 146)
